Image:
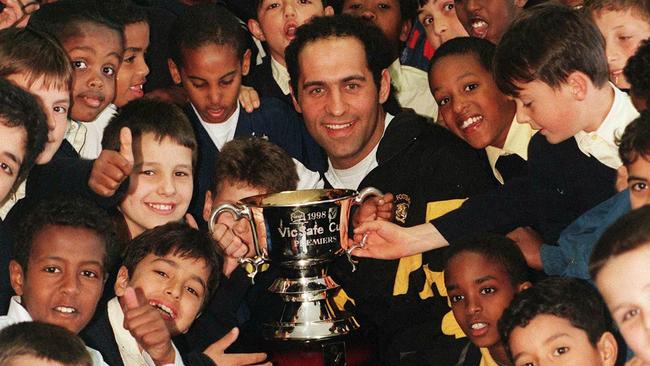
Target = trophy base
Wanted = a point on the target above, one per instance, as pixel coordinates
(310, 321)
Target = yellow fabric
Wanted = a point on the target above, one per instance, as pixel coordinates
(519, 136)
(341, 298)
(407, 265)
(487, 359)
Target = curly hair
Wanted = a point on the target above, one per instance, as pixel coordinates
(637, 71)
(635, 141)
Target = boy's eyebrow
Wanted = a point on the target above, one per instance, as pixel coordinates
(12, 157)
(484, 279)
(634, 177)
(451, 287)
(175, 265)
(50, 257)
(555, 336)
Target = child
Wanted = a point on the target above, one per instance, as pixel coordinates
(636, 74)
(559, 321)
(61, 253)
(624, 25)
(395, 19)
(619, 267)
(473, 108)
(488, 19)
(482, 275)
(275, 23)
(439, 21)
(167, 273)
(41, 344)
(164, 157)
(209, 57)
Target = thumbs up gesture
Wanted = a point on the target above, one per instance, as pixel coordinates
(147, 326)
(111, 168)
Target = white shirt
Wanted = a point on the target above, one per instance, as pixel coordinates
(18, 314)
(351, 178)
(280, 75)
(95, 131)
(412, 87)
(127, 345)
(517, 140)
(75, 133)
(220, 133)
(601, 144)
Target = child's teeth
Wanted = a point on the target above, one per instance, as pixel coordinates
(477, 326)
(164, 308)
(470, 121)
(65, 309)
(479, 24)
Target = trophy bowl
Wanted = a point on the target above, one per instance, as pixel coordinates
(302, 232)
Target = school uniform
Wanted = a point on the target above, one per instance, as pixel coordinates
(412, 89)
(509, 161)
(272, 120)
(270, 80)
(92, 145)
(18, 314)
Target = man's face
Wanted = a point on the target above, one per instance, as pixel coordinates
(551, 340)
(440, 21)
(339, 101)
(469, 101)
(64, 278)
(212, 75)
(134, 70)
(277, 21)
(12, 154)
(386, 14)
(487, 19)
(175, 285)
(623, 30)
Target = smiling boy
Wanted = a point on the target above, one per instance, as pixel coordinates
(488, 19)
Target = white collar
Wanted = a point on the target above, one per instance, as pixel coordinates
(281, 76)
(17, 311)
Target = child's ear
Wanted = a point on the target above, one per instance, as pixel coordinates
(607, 349)
(246, 63)
(524, 285)
(174, 71)
(406, 30)
(16, 277)
(255, 29)
(328, 10)
(122, 281)
(384, 86)
(207, 205)
(578, 84)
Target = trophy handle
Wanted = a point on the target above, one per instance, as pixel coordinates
(241, 211)
(363, 194)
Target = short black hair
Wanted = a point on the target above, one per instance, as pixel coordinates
(548, 42)
(340, 26)
(18, 108)
(179, 239)
(125, 12)
(43, 341)
(164, 120)
(628, 233)
(497, 249)
(637, 71)
(206, 24)
(568, 298)
(65, 18)
(480, 48)
(635, 141)
(64, 211)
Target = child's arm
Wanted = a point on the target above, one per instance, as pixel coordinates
(529, 242)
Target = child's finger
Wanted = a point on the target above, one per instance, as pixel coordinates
(126, 145)
(227, 340)
(130, 298)
(189, 220)
(247, 358)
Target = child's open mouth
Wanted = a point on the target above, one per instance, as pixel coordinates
(479, 27)
(66, 310)
(166, 312)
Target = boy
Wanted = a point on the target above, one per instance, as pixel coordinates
(209, 57)
(41, 344)
(635, 73)
(559, 321)
(275, 23)
(395, 19)
(624, 25)
(618, 265)
(482, 275)
(488, 19)
(160, 187)
(473, 108)
(552, 62)
(438, 17)
(168, 272)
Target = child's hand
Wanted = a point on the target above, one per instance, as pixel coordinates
(112, 167)
(529, 242)
(216, 352)
(374, 208)
(16, 12)
(231, 245)
(249, 98)
(147, 326)
(636, 362)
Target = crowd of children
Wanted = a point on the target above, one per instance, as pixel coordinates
(514, 228)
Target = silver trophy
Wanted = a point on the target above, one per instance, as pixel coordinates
(302, 231)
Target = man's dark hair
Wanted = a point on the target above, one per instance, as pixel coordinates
(18, 108)
(66, 18)
(255, 162)
(202, 25)
(175, 238)
(628, 233)
(162, 119)
(548, 42)
(497, 249)
(637, 71)
(340, 26)
(568, 298)
(635, 141)
(480, 48)
(70, 212)
(42, 341)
